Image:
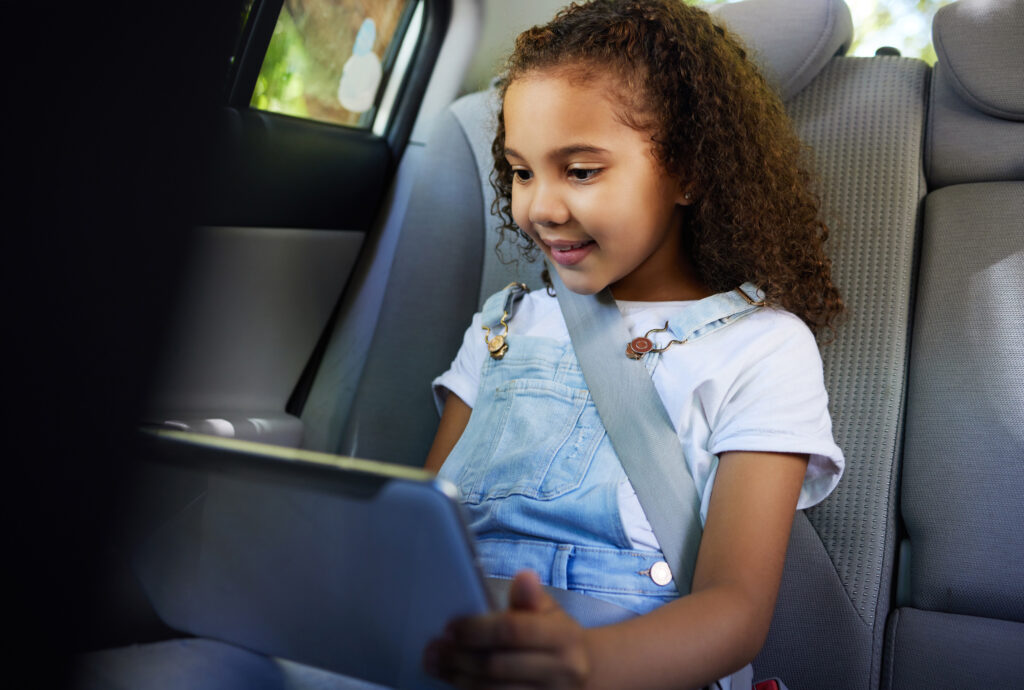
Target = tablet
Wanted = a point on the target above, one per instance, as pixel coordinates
(345, 564)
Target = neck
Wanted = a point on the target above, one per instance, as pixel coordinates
(661, 279)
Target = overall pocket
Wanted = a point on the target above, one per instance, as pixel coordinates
(536, 439)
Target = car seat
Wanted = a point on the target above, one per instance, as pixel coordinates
(864, 121)
(960, 616)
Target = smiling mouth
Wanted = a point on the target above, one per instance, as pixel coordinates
(571, 254)
(571, 247)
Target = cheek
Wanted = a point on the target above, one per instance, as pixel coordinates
(520, 210)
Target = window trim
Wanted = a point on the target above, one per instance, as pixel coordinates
(250, 60)
(411, 87)
(437, 15)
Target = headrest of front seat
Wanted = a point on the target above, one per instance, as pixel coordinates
(791, 40)
(981, 45)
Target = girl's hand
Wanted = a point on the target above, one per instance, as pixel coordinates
(533, 644)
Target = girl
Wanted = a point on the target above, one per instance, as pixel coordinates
(639, 150)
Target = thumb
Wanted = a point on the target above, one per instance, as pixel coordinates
(527, 594)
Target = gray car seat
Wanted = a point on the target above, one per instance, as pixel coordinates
(960, 616)
(864, 119)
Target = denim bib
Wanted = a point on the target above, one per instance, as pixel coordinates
(538, 475)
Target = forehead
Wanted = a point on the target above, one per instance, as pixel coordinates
(559, 108)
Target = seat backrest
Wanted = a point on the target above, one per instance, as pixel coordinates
(960, 621)
(864, 119)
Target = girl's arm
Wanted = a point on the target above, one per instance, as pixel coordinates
(688, 643)
(453, 423)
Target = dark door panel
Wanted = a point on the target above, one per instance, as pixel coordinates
(279, 171)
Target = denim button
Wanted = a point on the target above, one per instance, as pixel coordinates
(661, 574)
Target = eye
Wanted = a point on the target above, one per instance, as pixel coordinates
(583, 174)
(521, 175)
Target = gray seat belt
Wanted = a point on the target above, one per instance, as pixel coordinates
(638, 426)
(641, 431)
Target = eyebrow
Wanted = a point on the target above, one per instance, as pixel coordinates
(563, 152)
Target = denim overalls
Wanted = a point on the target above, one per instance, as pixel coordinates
(537, 473)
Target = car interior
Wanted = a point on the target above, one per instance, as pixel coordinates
(333, 271)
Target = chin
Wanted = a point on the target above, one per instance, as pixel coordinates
(581, 285)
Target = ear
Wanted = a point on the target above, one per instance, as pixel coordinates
(687, 193)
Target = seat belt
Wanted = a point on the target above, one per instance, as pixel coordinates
(641, 431)
(638, 426)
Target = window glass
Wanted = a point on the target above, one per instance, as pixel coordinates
(902, 24)
(328, 60)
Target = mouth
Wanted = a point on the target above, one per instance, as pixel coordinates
(570, 253)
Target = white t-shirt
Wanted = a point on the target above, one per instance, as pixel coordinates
(755, 385)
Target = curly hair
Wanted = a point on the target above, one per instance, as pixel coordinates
(715, 123)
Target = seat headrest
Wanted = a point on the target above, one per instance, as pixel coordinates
(976, 115)
(791, 40)
(981, 44)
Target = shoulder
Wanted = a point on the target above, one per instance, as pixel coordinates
(768, 354)
(537, 309)
(771, 333)
(533, 299)
(540, 299)
(775, 320)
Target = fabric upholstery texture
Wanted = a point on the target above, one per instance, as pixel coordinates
(965, 145)
(863, 119)
(477, 114)
(963, 464)
(791, 40)
(941, 650)
(425, 309)
(981, 43)
(963, 471)
(977, 96)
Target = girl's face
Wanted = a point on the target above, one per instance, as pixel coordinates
(587, 189)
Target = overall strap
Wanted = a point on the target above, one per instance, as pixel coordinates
(714, 312)
(494, 316)
(635, 418)
(502, 304)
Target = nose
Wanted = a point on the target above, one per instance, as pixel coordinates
(547, 206)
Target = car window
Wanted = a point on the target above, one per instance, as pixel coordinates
(902, 24)
(336, 60)
(905, 25)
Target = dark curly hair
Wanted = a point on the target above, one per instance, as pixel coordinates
(713, 122)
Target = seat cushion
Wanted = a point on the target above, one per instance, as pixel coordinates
(963, 466)
(943, 650)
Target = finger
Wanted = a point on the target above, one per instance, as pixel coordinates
(470, 683)
(515, 630)
(527, 594)
(503, 666)
(432, 657)
(502, 669)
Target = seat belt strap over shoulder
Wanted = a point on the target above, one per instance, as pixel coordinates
(635, 418)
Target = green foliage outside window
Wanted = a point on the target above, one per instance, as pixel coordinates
(280, 87)
(312, 43)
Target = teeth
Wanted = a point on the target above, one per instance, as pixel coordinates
(575, 246)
